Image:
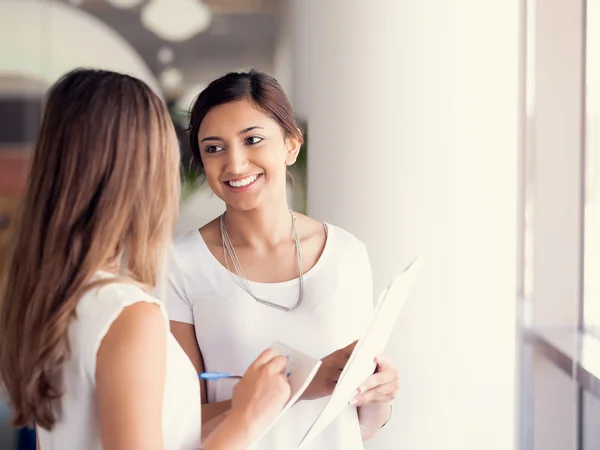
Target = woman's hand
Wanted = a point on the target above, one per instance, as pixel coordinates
(328, 374)
(381, 387)
(257, 398)
(263, 391)
(374, 397)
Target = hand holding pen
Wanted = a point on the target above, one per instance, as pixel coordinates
(257, 398)
(215, 376)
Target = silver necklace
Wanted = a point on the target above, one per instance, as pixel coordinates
(239, 275)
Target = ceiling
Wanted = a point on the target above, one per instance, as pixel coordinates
(242, 35)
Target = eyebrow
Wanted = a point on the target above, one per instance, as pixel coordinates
(244, 131)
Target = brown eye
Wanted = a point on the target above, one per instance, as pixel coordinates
(252, 140)
(213, 148)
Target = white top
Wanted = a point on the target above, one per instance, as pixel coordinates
(78, 426)
(233, 329)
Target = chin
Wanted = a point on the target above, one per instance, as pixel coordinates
(242, 205)
(239, 202)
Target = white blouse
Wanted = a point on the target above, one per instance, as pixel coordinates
(232, 329)
(78, 426)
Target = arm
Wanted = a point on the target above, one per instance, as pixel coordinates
(375, 397)
(232, 434)
(180, 310)
(212, 413)
(372, 418)
(257, 399)
(373, 405)
(130, 379)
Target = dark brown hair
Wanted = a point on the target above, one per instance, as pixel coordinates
(259, 88)
(103, 185)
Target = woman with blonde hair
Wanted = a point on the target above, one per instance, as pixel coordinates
(85, 351)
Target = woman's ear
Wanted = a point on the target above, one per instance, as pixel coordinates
(292, 146)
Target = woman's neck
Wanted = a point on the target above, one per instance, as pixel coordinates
(262, 227)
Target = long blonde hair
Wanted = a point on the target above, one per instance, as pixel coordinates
(103, 185)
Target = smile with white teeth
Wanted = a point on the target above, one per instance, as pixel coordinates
(243, 182)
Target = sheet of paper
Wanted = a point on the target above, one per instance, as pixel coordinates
(361, 364)
(302, 369)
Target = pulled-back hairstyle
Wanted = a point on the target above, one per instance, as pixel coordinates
(259, 88)
(103, 185)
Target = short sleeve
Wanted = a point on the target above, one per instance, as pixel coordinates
(179, 307)
(363, 277)
(97, 313)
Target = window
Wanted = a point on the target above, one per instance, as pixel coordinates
(591, 306)
(560, 226)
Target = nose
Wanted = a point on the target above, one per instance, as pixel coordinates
(237, 161)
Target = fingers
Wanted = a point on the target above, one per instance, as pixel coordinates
(381, 386)
(271, 361)
(384, 363)
(277, 364)
(381, 394)
(264, 358)
(379, 379)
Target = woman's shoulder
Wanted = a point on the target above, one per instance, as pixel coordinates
(183, 242)
(191, 258)
(342, 239)
(197, 238)
(107, 296)
(346, 239)
(345, 236)
(110, 300)
(189, 249)
(111, 293)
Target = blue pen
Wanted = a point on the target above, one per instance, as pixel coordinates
(213, 376)
(217, 375)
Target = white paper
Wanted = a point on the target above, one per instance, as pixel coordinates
(302, 369)
(361, 363)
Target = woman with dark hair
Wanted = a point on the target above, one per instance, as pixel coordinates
(85, 351)
(261, 272)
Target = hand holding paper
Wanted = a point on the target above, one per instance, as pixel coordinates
(381, 387)
(361, 364)
(328, 374)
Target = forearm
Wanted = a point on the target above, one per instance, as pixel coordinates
(213, 414)
(372, 417)
(208, 427)
(212, 410)
(234, 433)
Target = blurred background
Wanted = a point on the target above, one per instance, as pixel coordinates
(469, 130)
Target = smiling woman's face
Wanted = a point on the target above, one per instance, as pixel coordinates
(245, 154)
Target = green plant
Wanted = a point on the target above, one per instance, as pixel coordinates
(300, 172)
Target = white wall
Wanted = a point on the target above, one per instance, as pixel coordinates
(282, 60)
(412, 110)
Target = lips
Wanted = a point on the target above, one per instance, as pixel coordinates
(242, 182)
